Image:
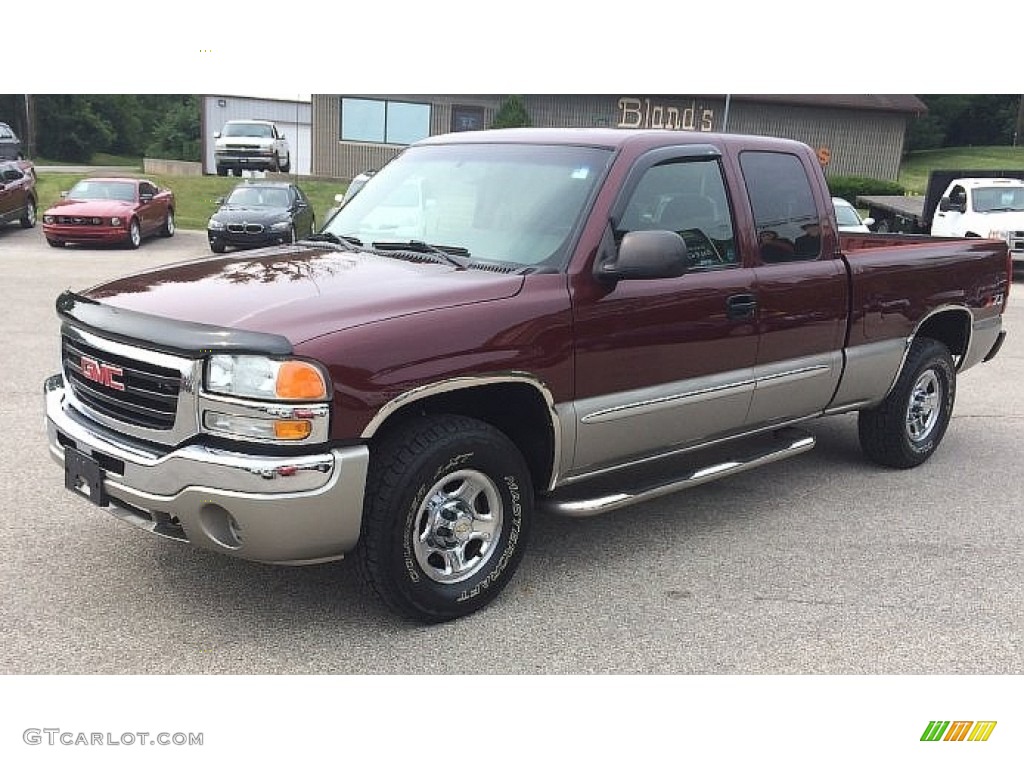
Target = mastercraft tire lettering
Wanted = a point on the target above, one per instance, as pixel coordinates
(446, 517)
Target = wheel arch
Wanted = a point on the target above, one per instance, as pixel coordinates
(950, 325)
(519, 405)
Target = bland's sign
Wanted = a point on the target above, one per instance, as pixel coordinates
(642, 113)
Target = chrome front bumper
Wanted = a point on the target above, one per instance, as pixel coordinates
(289, 510)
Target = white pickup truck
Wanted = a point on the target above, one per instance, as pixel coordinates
(983, 208)
(981, 203)
(256, 145)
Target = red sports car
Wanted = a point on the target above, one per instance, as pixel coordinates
(114, 210)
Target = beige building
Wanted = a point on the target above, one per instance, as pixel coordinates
(858, 135)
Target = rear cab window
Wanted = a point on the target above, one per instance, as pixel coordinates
(786, 217)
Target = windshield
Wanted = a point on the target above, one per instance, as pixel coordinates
(846, 215)
(103, 190)
(998, 199)
(497, 202)
(251, 130)
(258, 197)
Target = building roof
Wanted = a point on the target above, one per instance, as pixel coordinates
(893, 102)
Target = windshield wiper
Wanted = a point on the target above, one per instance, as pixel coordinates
(447, 254)
(349, 243)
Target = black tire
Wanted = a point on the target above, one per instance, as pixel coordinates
(54, 243)
(286, 166)
(28, 220)
(217, 247)
(222, 171)
(446, 517)
(907, 427)
(167, 230)
(134, 239)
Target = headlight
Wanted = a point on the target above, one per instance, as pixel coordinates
(265, 379)
(216, 226)
(281, 226)
(47, 219)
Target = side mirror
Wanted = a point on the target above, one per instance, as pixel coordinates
(339, 198)
(646, 255)
(868, 222)
(219, 201)
(64, 193)
(216, 134)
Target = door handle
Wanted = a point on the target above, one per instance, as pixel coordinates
(740, 306)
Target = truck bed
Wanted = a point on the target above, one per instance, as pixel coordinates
(908, 206)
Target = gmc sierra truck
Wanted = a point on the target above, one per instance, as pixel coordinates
(583, 319)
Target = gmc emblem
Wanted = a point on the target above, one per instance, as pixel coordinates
(102, 373)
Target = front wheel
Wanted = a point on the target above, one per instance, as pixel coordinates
(134, 235)
(907, 427)
(446, 517)
(286, 166)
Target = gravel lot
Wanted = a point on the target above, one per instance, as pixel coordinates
(822, 564)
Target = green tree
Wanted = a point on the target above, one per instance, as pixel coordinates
(69, 128)
(512, 114)
(177, 136)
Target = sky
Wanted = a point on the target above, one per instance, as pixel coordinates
(531, 46)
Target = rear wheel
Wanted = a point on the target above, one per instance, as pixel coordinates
(222, 171)
(167, 230)
(28, 220)
(286, 166)
(446, 517)
(907, 427)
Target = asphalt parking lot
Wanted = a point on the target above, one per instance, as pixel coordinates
(821, 564)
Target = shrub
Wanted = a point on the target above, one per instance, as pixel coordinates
(849, 187)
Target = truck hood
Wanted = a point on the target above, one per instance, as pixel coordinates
(301, 292)
(1000, 220)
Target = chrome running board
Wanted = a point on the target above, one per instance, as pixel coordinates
(781, 444)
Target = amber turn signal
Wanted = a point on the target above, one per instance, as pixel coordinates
(297, 380)
(296, 429)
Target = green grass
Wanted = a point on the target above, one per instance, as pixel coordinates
(195, 196)
(916, 167)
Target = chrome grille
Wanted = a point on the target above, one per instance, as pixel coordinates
(79, 220)
(135, 392)
(249, 229)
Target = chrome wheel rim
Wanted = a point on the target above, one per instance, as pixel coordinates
(134, 234)
(924, 407)
(457, 526)
(170, 223)
(30, 215)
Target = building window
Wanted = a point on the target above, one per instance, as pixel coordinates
(467, 118)
(384, 122)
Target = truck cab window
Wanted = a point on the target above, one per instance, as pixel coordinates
(687, 197)
(788, 221)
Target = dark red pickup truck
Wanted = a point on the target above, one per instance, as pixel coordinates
(503, 322)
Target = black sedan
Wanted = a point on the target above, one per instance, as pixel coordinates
(258, 213)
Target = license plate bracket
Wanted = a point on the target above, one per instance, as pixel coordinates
(84, 476)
